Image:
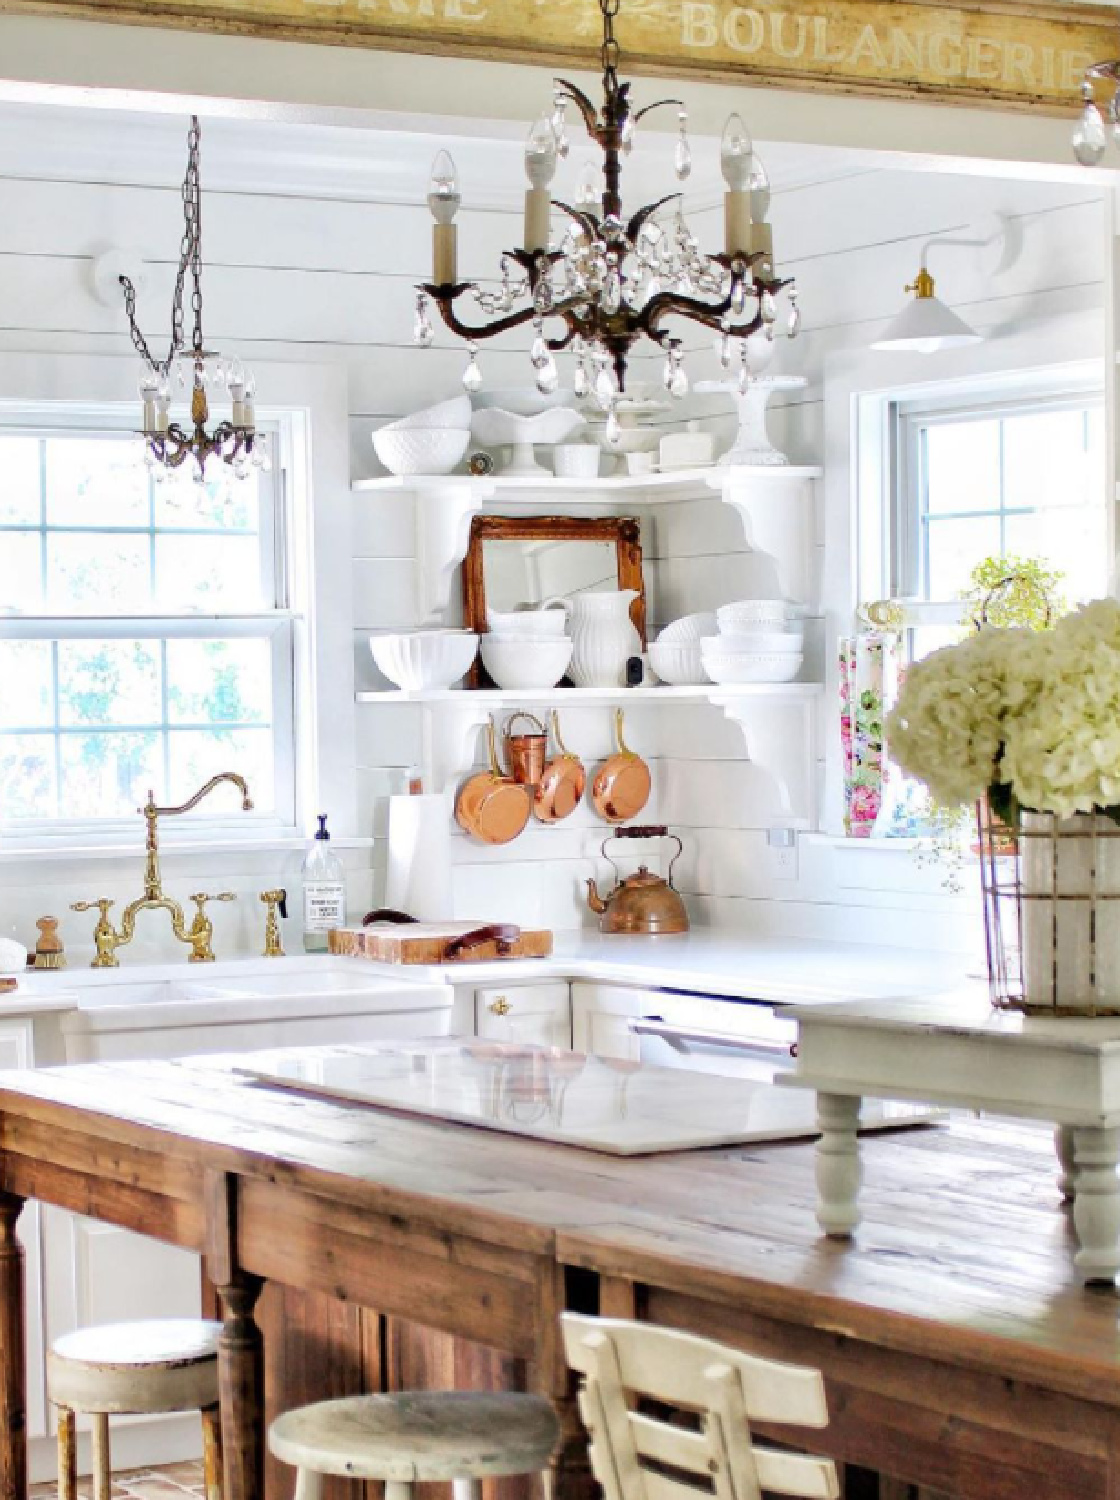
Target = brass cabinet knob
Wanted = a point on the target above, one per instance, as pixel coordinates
(500, 1006)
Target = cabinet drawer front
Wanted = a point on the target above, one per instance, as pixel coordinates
(16, 1039)
(534, 1013)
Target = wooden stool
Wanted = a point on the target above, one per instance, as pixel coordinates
(703, 1446)
(130, 1368)
(459, 1436)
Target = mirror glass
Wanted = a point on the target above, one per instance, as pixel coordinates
(520, 573)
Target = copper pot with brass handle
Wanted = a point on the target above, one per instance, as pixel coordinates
(623, 783)
(562, 784)
(491, 806)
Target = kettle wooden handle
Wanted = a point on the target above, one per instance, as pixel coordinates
(504, 934)
(643, 831)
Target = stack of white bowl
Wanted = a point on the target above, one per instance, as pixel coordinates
(757, 641)
(432, 441)
(675, 655)
(527, 648)
(419, 660)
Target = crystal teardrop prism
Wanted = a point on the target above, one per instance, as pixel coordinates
(472, 375)
(539, 353)
(682, 156)
(581, 385)
(626, 138)
(604, 387)
(768, 307)
(614, 427)
(678, 384)
(725, 350)
(422, 331)
(1089, 138)
(612, 294)
(548, 377)
(793, 327)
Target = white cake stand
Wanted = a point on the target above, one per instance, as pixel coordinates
(752, 446)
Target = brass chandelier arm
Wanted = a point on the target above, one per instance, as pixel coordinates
(445, 296)
(569, 91)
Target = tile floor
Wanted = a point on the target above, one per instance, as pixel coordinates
(174, 1482)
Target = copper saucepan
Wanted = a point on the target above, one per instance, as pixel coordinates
(526, 752)
(562, 782)
(490, 805)
(622, 785)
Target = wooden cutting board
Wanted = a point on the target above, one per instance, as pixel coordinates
(438, 943)
(8, 985)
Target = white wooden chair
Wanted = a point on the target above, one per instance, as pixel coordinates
(717, 1390)
(134, 1368)
(409, 1436)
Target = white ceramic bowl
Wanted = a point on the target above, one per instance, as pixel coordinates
(421, 450)
(518, 662)
(688, 628)
(523, 400)
(758, 642)
(678, 664)
(535, 623)
(738, 667)
(745, 616)
(453, 413)
(422, 659)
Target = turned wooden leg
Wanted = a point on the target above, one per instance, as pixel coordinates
(1067, 1174)
(466, 1489)
(838, 1165)
(212, 1452)
(241, 1389)
(67, 1454)
(102, 1461)
(13, 1361)
(309, 1485)
(1096, 1203)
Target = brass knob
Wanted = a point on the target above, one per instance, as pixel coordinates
(500, 1006)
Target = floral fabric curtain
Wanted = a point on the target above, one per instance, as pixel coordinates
(868, 685)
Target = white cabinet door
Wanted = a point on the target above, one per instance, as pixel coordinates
(16, 1051)
(539, 1014)
(601, 1015)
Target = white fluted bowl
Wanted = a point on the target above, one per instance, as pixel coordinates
(740, 667)
(756, 642)
(746, 616)
(678, 663)
(421, 450)
(420, 659)
(549, 623)
(689, 629)
(520, 662)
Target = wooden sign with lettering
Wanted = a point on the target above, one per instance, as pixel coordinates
(988, 52)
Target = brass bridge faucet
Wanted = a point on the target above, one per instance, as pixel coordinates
(199, 934)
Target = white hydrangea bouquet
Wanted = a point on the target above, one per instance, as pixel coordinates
(1028, 724)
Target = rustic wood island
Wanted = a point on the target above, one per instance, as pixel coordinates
(960, 1352)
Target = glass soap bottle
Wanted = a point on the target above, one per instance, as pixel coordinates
(324, 891)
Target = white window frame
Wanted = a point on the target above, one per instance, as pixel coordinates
(278, 625)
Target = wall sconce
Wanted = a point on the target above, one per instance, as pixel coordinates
(927, 325)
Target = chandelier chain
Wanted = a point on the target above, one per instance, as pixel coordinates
(192, 239)
(610, 53)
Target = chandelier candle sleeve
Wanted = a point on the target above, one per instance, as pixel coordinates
(540, 167)
(443, 200)
(736, 154)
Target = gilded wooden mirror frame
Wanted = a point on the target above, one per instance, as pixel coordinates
(623, 531)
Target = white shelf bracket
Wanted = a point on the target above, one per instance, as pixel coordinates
(779, 740)
(443, 527)
(450, 738)
(775, 509)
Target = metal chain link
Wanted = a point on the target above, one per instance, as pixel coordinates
(610, 53)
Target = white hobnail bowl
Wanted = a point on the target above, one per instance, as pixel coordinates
(520, 662)
(419, 659)
(455, 412)
(678, 663)
(535, 623)
(689, 628)
(746, 616)
(758, 642)
(421, 450)
(522, 400)
(727, 667)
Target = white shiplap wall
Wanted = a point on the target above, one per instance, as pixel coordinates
(313, 240)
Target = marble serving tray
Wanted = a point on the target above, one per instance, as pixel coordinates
(597, 1103)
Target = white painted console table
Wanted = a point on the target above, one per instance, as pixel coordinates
(956, 1050)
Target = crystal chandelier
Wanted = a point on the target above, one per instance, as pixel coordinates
(167, 445)
(1090, 134)
(613, 280)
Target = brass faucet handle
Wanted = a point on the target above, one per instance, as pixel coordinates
(202, 897)
(102, 904)
(274, 901)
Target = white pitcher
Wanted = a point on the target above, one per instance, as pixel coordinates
(604, 637)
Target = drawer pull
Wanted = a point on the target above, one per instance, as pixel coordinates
(652, 1026)
(500, 1006)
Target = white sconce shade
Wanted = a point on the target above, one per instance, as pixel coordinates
(926, 324)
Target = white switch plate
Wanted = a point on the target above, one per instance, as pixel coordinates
(782, 847)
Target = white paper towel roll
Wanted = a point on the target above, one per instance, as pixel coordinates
(418, 869)
(13, 956)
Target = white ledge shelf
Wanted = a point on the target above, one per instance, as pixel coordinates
(507, 697)
(639, 489)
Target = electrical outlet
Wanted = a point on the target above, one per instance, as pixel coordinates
(782, 845)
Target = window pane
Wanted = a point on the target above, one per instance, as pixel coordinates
(96, 482)
(198, 754)
(219, 682)
(109, 682)
(224, 502)
(962, 466)
(92, 572)
(27, 787)
(19, 481)
(26, 690)
(208, 573)
(954, 549)
(1074, 541)
(107, 775)
(1046, 462)
(21, 571)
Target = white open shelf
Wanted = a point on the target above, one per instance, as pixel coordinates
(507, 697)
(639, 489)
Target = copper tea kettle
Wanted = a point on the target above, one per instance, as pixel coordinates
(642, 903)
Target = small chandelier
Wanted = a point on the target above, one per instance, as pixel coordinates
(613, 281)
(1090, 134)
(167, 445)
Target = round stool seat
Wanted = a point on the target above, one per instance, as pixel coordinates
(154, 1366)
(418, 1435)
